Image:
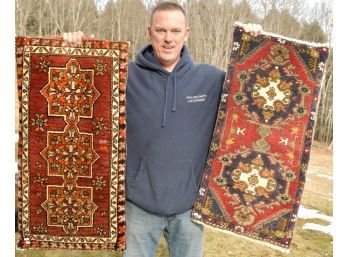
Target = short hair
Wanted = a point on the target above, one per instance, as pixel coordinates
(168, 6)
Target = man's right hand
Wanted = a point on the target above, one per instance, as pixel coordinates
(75, 38)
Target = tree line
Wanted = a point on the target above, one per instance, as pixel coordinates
(211, 23)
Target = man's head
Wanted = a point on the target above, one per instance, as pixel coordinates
(168, 33)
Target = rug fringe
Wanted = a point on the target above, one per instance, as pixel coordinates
(314, 44)
(275, 247)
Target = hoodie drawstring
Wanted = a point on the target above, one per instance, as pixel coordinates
(174, 93)
(165, 103)
(163, 124)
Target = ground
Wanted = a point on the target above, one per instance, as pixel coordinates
(306, 243)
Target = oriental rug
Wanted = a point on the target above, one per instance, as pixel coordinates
(72, 147)
(257, 162)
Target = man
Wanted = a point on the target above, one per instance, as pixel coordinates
(171, 112)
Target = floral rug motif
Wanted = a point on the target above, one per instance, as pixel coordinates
(256, 167)
(72, 147)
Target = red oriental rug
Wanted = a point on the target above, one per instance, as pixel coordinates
(256, 167)
(72, 147)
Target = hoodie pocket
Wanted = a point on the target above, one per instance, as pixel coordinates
(164, 187)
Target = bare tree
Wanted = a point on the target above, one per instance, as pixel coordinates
(23, 11)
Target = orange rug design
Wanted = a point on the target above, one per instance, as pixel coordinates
(72, 147)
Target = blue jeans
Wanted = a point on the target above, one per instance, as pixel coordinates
(184, 237)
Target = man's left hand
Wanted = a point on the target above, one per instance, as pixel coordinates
(253, 29)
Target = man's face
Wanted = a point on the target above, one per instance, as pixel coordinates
(168, 33)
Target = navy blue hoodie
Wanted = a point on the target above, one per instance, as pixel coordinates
(170, 121)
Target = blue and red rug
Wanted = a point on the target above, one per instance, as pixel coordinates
(256, 168)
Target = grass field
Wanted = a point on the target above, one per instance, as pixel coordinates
(306, 243)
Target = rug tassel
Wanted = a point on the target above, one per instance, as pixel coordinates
(314, 44)
(275, 247)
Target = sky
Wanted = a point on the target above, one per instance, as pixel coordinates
(103, 2)
(307, 3)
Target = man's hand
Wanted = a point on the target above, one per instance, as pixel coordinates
(74, 38)
(253, 29)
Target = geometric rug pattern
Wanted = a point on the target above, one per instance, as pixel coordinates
(256, 167)
(72, 143)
